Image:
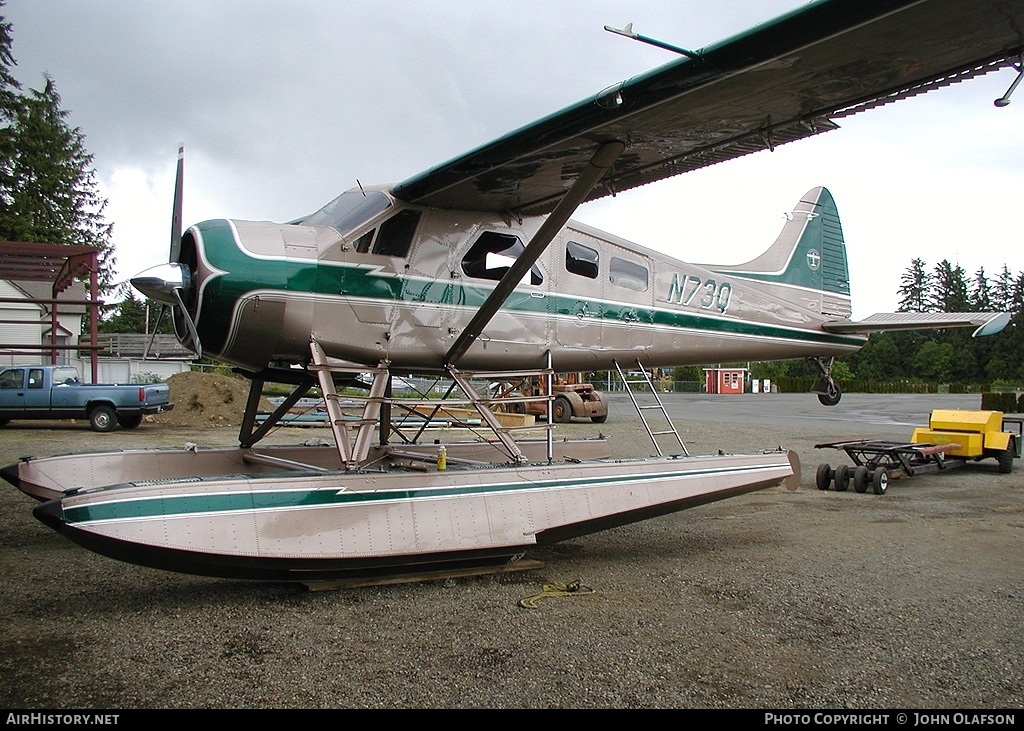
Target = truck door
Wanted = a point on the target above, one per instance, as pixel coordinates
(37, 396)
(12, 388)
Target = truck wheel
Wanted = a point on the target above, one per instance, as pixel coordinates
(823, 476)
(599, 419)
(129, 422)
(561, 410)
(102, 418)
(842, 479)
(861, 479)
(880, 481)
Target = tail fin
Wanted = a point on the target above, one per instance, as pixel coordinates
(809, 256)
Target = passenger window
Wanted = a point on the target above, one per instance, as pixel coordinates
(493, 254)
(396, 234)
(628, 274)
(580, 259)
(35, 378)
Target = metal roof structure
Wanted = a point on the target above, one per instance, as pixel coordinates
(60, 265)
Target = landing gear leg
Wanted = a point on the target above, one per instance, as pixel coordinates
(827, 389)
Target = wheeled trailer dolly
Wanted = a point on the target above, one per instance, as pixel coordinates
(877, 462)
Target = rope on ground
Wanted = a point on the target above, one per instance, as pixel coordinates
(552, 590)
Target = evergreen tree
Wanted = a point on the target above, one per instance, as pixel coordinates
(981, 292)
(949, 288)
(10, 101)
(52, 194)
(915, 285)
(135, 314)
(1002, 291)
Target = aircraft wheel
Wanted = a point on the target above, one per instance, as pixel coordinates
(102, 418)
(832, 397)
(561, 410)
(880, 481)
(823, 477)
(842, 478)
(861, 479)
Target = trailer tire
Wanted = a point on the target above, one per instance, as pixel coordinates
(842, 478)
(823, 476)
(861, 479)
(1005, 458)
(880, 481)
(103, 418)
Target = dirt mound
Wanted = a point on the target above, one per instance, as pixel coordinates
(207, 400)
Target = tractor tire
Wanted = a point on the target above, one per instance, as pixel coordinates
(1005, 458)
(561, 410)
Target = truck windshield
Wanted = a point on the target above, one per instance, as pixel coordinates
(350, 210)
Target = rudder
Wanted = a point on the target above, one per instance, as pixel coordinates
(809, 254)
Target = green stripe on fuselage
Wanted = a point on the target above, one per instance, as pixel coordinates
(244, 273)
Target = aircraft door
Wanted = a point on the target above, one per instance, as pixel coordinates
(578, 285)
(628, 303)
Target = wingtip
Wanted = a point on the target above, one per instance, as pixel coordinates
(993, 325)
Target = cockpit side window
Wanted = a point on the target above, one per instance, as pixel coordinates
(396, 233)
(493, 254)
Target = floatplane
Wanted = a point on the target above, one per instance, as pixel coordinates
(475, 272)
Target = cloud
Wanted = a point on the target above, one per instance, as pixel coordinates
(282, 106)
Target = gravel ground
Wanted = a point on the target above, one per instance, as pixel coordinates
(777, 599)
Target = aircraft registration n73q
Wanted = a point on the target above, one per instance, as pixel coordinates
(474, 270)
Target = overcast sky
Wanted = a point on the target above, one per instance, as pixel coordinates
(283, 105)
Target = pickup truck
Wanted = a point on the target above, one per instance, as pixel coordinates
(57, 392)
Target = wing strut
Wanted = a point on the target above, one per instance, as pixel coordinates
(591, 175)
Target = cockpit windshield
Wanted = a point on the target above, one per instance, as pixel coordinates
(350, 210)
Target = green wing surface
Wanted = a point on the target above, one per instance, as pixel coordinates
(781, 81)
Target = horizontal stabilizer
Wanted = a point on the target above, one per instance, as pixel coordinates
(987, 323)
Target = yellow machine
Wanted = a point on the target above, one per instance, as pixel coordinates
(976, 434)
(952, 439)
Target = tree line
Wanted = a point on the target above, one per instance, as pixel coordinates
(951, 354)
(48, 187)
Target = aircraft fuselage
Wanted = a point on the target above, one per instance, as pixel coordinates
(262, 291)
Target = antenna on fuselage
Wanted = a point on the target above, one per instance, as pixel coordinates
(629, 33)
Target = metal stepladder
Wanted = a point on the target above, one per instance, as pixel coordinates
(657, 405)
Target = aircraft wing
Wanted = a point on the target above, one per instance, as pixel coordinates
(987, 323)
(781, 81)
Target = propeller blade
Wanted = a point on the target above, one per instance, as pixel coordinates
(156, 329)
(197, 346)
(176, 212)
